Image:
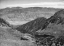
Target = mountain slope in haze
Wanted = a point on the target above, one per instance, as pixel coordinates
(26, 14)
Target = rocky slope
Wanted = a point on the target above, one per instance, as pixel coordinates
(32, 26)
(4, 23)
(48, 32)
(57, 18)
(42, 23)
(54, 29)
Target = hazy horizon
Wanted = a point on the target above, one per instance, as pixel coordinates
(32, 3)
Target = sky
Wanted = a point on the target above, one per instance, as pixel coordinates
(32, 3)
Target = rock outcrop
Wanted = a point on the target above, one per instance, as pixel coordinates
(4, 22)
(57, 18)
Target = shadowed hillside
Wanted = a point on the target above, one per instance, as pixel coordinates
(57, 18)
(52, 33)
(4, 23)
(33, 25)
(42, 23)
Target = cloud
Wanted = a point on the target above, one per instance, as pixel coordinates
(41, 4)
(31, 3)
(31, 0)
(0, 0)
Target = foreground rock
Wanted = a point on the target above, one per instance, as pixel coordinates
(10, 42)
(11, 37)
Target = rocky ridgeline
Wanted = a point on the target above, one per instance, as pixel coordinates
(57, 18)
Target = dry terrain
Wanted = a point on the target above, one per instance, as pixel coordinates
(30, 19)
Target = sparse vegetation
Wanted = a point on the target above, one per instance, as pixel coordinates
(45, 27)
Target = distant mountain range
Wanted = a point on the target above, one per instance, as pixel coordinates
(26, 14)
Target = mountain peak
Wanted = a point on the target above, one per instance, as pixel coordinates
(58, 17)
